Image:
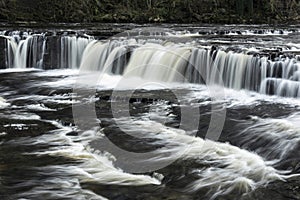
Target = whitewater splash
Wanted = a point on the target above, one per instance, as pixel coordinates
(280, 137)
(93, 168)
(219, 167)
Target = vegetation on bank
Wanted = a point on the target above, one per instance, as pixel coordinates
(144, 11)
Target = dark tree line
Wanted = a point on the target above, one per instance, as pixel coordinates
(178, 11)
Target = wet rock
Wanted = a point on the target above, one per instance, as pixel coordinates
(51, 53)
(21, 128)
(72, 133)
(2, 53)
(278, 190)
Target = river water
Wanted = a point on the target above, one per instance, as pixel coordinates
(171, 112)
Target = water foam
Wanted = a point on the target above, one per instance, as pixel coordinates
(230, 168)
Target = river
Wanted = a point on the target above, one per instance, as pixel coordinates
(127, 111)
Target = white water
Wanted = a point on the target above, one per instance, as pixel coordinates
(28, 52)
(281, 136)
(125, 64)
(228, 168)
(160, 60)
(99, 56)
(218, 167)
(11, 52)
(265, 32)
(183, 63)
(95, 167)
(3, 103)
(71, 51)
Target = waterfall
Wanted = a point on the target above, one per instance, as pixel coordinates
(157, 60)
(110, 56)
(71, 51)
(159, 63)
(169, 62)
(30, 52)
(24, 50)
(282, 78)
(11, 48)
(24, 53)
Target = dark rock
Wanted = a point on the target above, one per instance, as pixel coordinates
(72, 133)
(2, 53)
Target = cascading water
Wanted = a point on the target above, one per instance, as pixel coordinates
(181, 63)
(11, 47)
(282, 78)
(30, 52)
(155, 62)
(98, 53)
(24, 50)
(162, 61)
(71, 51)
(159, 60)
(150, 132)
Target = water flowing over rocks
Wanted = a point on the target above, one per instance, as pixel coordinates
(190, 112)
